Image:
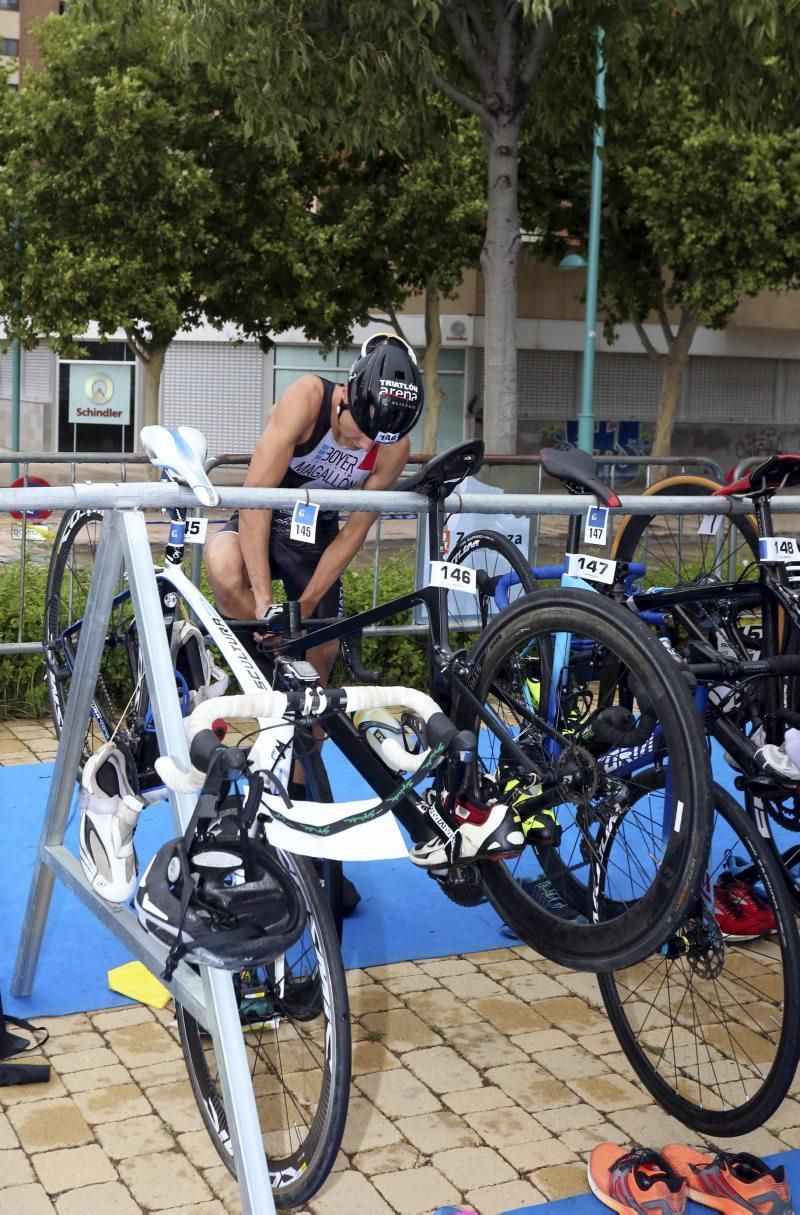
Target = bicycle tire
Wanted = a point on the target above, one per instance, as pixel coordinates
(716, 1025)
(321, 1027)
(636, 531)
(491, 554)
(651, 911)
(119, 693)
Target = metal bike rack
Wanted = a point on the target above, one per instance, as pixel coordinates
(210, 997)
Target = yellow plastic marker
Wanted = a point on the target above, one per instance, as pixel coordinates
(135, 981)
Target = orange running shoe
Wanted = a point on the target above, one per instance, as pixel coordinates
(735, 1183)
(635, 1182)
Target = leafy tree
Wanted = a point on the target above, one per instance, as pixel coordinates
(412, 226)
(700, 186)
(362, 69)
(130, 196)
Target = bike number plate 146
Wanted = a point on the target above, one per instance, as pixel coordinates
(454, 577)
(592, 569)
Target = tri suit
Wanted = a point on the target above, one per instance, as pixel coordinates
(319, 463)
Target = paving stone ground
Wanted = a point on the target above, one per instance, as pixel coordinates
(484, 1079)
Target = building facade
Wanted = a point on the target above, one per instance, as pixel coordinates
(741, 390)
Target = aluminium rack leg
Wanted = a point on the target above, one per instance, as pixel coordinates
(125, 533)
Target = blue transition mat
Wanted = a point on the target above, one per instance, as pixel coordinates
(402, 914)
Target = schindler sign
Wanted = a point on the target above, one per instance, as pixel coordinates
(100, 393)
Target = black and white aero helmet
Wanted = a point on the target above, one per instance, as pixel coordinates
(224, 904)
(384, 388)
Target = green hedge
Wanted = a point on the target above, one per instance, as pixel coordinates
(400, 659)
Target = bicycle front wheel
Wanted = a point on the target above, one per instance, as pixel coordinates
(558, 670)
(296, 1026)
(120, 695)
(711, 1021)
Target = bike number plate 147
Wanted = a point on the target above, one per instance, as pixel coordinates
(592, 569)
(454, 577)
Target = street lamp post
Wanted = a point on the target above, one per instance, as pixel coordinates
(586, 415)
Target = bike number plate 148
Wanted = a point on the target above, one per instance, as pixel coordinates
(776, 549)
(593, 569)
(454, 577)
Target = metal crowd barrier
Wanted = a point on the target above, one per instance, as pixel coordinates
(153, 497)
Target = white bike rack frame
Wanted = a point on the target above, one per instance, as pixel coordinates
(209, 997)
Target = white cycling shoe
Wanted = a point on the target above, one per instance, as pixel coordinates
(109, 813)
(497, 838)
(194, 664)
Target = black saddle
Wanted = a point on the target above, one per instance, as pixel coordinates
(577, 472)
(442, 473)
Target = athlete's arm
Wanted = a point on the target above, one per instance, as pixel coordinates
(292, 417)
(389, 463)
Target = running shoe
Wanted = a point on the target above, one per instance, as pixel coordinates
(543, 892)
(634, 1182)
(741, 913)
(489, 833)
(734, 1183)
(109, 813)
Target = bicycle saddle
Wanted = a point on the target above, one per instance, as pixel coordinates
(776, 472)
(577, 472)
(440, 476)
(181, 452)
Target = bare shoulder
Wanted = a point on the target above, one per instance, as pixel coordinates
(294, 413)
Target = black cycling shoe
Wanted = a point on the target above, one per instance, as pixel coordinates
(350, 896)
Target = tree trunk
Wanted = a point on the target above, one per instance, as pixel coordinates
(430, 370)
(500, 260)
(153, 367)
(674, 366)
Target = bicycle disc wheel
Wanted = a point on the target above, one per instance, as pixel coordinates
(120, 695)
(543, 668)
(295, 1022)
(503, 575)
(711, 1023)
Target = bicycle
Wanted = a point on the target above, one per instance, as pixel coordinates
(314, 1001)
(689, 1017)
(588, 789)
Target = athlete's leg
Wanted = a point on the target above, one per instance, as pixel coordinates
(227, 574)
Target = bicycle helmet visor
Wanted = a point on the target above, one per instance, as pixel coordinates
(384, 388)
(217, 907)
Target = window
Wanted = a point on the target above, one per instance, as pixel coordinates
(11, 6)
(9, 46)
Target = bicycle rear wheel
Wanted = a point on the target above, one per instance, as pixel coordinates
(711, 1023)
(543, 668)
(295, 1022)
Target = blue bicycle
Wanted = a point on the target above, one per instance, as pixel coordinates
(710, 1021)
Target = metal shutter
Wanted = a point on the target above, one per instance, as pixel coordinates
(730, 390)
(546, 384)
(626, 386)
(38, 367)
(791, 382)
(218, 388)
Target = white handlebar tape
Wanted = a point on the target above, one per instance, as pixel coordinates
(272, 704)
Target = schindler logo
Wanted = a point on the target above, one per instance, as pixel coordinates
(99, 389)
